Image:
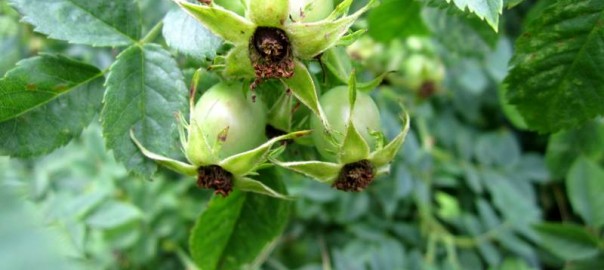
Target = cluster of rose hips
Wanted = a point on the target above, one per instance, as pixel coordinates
(225, 138)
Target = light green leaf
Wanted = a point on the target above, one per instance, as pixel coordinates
(460, 35)
(24, 237)
(488, 10)
(38, 80)
(233, 231)
(309, 40)
(251, 185)
(585, 182)
(57, 121)
(324, 172)
(172, 164)
(567, 241)
(113, 214)
(565, 146)
(222, 22)
(246, 162)
(96, 23)
(556, 78)
(145, 93)
(183, 33)
(394, 19)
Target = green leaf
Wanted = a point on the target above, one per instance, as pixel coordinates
(55, 123)
(460, 35)
(556, 79)
(487, 10)
(234, 231)
(565, 146)
(585, 182)
(183, 33)
(24, 237)
(567, 241)
(38, 80)
(394, 19)
(96, 23)
(113, 214)
(145, 92)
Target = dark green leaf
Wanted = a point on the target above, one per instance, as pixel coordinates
(235, 230)
(145, 91)
(38, 80)
(54, 122)
(96, 23)
(396, 19)
(565, 146)
(585, 182)
(567, 241)
(589, 264)
(556, 78)
(185, 34)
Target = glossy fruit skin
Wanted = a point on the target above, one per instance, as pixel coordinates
(319, 10)
(226, 105)
(365, 117)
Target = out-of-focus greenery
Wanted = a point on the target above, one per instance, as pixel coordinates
(472, 189)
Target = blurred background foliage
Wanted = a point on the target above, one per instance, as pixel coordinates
(470, 190)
